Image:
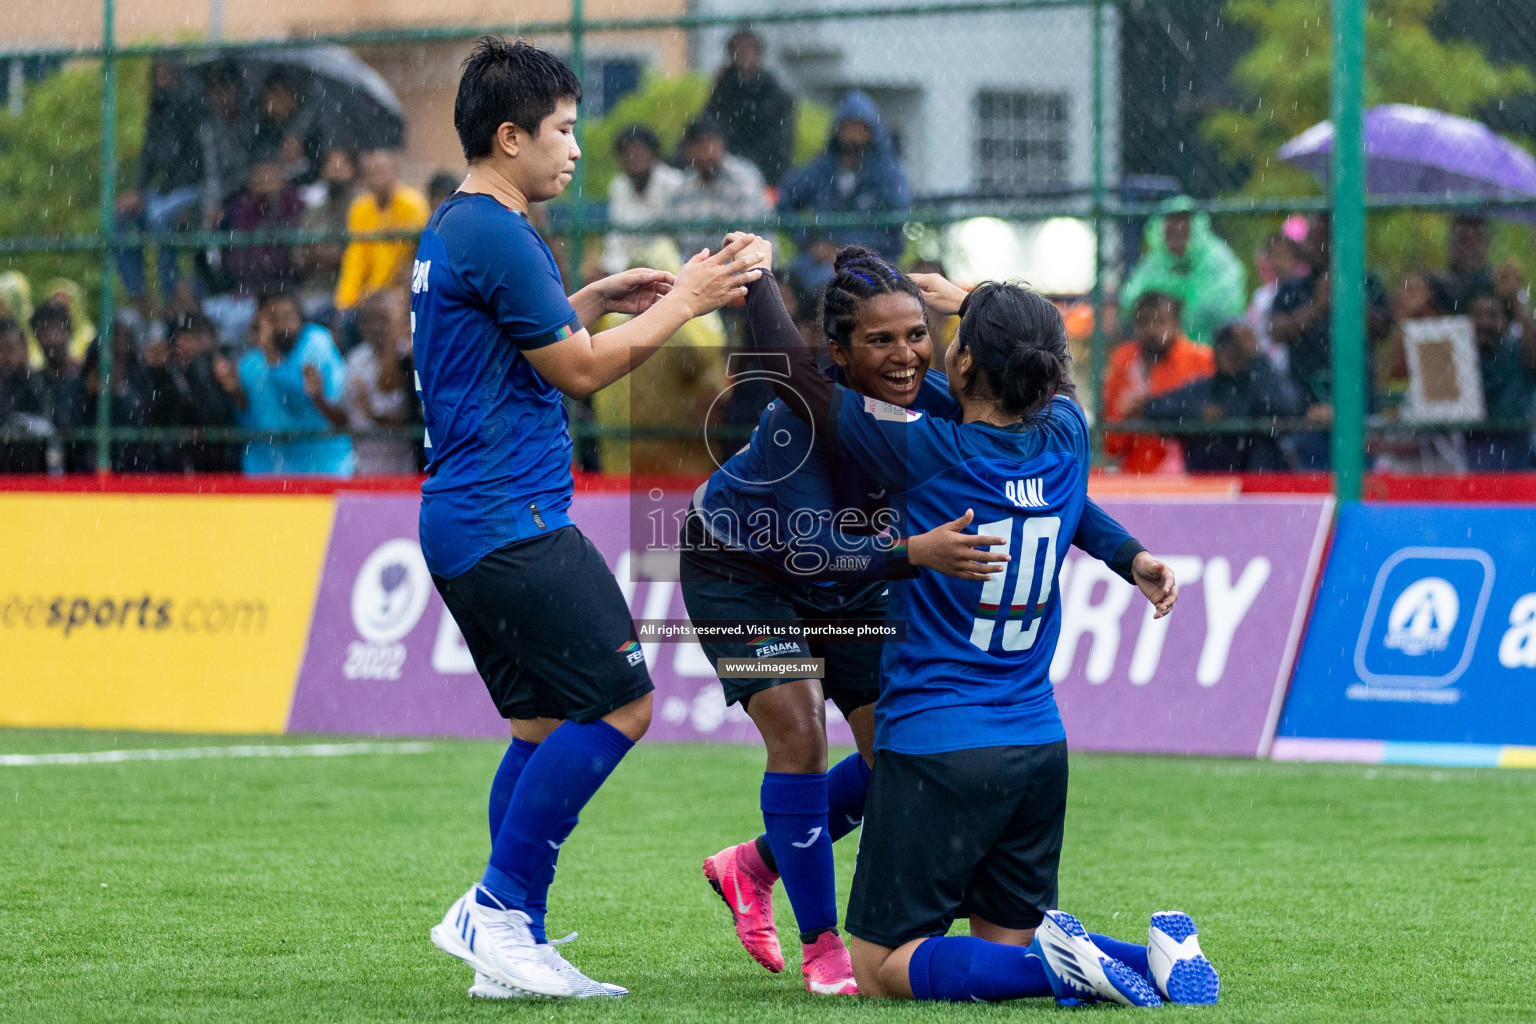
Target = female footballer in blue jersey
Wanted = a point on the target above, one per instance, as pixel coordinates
(967, 800)
(498, 347)
(797, 564)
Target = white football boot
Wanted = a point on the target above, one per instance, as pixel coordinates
(486, 987)
(495, 941)
(1179, 970)
(1079, 970)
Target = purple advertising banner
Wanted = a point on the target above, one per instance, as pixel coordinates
(385, 657)
(1211, 677)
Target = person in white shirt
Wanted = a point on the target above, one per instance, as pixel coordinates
(717, 185)
(377, 388)
(641, 195)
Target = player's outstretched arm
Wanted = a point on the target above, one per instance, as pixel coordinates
(950, 550)
(1156, 581)
(585, 363)
(940, 294)
(632, 291)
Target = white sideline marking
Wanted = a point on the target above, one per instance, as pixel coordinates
(199, 753)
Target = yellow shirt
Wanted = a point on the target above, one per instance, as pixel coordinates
(368, 266)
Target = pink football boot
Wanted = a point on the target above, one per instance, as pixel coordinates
(827, 969)
(741, 878)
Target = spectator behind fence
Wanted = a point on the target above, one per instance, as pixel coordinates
(267, 203)
(1467, 271)
(378, 390)
(291, 380)
(756, 113)
(1183, 257)
(717, 185)
(23, 405)
(16, 304)
(287, 129)
(1157, 360)
(1246, 385)
(1508, 359)
(59, 377)
(1280, 259)
(385, 205)
(327, 202)
(200, 384)
(168, 181)
(440, 186)
(858, 173)
(1300, 321)
(224, 136)
(135, 401)
(642, 194)
(82, 331)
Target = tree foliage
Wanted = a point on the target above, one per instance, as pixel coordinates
(50, 162)
(1286, 80)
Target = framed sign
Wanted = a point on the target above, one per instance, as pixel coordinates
(1445, 379)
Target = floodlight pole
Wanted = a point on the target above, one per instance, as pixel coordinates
(1348, 248)
(109, 237)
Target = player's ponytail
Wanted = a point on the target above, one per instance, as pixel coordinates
(1018, 345)
(858, 274)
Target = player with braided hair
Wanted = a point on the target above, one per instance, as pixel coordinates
(832, 557)
(967, 800)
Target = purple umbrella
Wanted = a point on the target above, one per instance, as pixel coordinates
(1414, 151)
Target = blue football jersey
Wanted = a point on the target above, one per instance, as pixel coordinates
(807, 514)
(974, 668)
(484, 290)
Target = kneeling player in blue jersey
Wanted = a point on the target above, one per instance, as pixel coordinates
(967, 802)
(769, 539)
(497, 347)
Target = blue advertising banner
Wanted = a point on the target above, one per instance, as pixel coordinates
(1423, 633)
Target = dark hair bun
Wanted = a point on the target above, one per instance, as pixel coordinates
(1032, 376)
(851, 254)
(1018, 344)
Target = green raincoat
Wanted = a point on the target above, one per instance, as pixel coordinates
(1209, 278)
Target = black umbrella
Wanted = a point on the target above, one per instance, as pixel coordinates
(350, 103)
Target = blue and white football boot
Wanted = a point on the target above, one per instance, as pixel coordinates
(1081, 972)
(496, 942)
(1180, 972)
(487, 987)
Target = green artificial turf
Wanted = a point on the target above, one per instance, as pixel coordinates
(302, 889)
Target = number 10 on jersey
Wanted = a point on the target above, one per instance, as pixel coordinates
(1034, 538)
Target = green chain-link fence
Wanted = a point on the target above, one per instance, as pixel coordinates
(1012, 112)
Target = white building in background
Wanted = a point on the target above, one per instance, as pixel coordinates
(977, 102)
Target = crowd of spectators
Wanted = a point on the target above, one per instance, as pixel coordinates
(1270, 366)
(299, 341)
(310, 343)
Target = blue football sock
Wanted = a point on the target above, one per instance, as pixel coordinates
(560, 777)
(847, 783)
(1128, 953)
(962, 969)
(502, 787)
(536, 904)
(505, 782)
(795, 817)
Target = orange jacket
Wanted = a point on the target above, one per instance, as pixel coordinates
(1131, 379)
